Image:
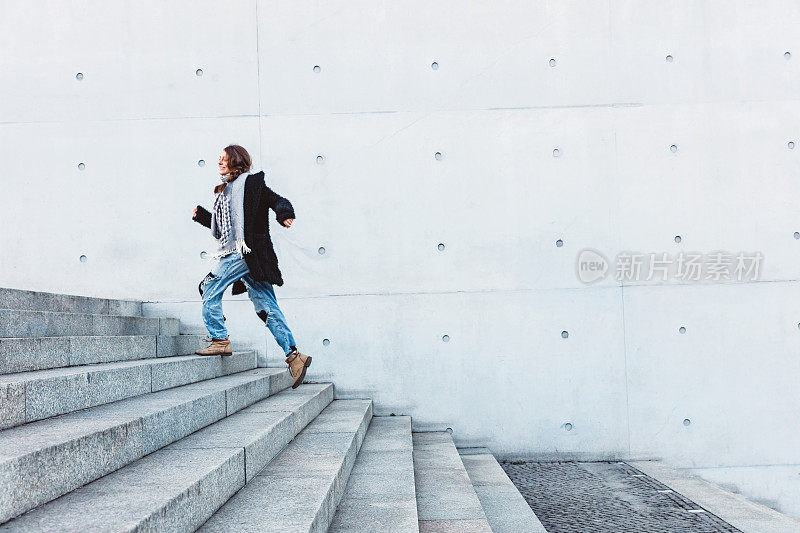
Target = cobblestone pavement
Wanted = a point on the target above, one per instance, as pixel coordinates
(606, 496)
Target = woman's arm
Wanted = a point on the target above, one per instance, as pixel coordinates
(282, 207)
(202, 216)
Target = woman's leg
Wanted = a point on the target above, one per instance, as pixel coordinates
(227, 270)
(262, 295)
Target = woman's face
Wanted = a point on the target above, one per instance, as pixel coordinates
(223, 163)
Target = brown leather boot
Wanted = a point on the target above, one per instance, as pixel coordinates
(217, 347)
(298, 363)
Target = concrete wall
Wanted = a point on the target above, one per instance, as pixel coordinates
(353, 147)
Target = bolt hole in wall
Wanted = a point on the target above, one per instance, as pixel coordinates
(682, 329)
(198, 72)
(82, 259)
(445, 338)
(326, 342)
(678, 238)
(440, 247)
(565, 334)
(81, 166)
(559, 243)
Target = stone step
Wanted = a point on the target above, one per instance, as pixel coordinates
(70, 303)
(179, 487)
(380, 493)
(25, 354)
(505, 508)
(43, 460)
(31, 396)
(446, 500)
(25, 323)
(300, 489)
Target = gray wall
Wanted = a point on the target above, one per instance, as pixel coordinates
(379, 202)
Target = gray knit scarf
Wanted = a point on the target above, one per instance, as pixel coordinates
(223, 228)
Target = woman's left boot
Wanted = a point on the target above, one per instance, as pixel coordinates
(217, 347)
(298, 362)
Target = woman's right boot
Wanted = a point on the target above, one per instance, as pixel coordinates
(298, 362)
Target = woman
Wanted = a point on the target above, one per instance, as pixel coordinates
(239, 222)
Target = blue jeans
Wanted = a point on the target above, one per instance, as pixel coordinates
(225, 272)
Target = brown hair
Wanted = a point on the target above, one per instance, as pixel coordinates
(238, 163)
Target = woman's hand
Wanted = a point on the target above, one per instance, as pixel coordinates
(288, 222)
(201, 216)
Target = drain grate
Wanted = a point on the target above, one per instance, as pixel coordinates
(607, 496)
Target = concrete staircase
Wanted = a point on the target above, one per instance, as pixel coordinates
(109, 423)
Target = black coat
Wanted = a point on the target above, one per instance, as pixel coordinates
(258, 198)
